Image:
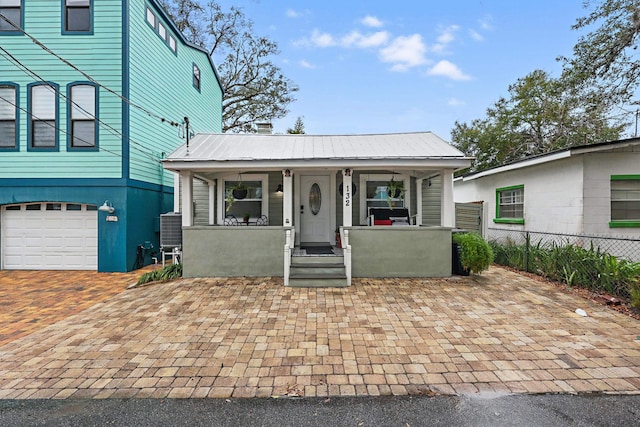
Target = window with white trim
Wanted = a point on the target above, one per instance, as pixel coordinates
(43, 114)
(625, 201)
(82, 119)
(510, 204)
(12, 10)
(251, 203)
(77, 16)
(8, 116)
(374, 192)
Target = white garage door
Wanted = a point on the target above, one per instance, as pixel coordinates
(50, 236)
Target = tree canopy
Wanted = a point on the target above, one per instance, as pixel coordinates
(540, 115)
(298, 127)
(606, 58)
(255, 89)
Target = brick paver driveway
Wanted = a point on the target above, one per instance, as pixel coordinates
(500, 332)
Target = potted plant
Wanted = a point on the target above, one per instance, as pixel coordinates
(239, 191)
(395, 190)
(470, 253)
(246, 217)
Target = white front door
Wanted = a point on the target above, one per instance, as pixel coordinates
(315, 209)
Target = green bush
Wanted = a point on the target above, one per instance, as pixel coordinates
(574, 265)
(476, 254)
(169, 272)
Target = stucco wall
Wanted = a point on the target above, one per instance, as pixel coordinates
(400, 251)
(233, 251)
(553, 197)
(597, 188)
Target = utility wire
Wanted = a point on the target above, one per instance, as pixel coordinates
(87, 76)
(114, 131)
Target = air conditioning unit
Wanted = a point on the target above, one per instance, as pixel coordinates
(171, 230)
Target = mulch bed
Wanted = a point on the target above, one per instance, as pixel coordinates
(618, 304)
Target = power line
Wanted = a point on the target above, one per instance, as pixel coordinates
(87, 76)
(110, 128)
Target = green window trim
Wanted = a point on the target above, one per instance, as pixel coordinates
(624, 224)
(507, 220)
(624, 177)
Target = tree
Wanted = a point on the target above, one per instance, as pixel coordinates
(606, 58)
(298, 127)
(540, 115)
(255, 90)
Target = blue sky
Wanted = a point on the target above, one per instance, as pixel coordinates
(406, 66)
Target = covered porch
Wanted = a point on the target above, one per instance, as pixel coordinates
(304, 191)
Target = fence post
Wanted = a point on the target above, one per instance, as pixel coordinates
(526, 252)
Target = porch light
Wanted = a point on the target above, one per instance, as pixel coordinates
(106, 207)
(279, 189)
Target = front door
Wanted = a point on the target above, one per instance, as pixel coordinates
(315, 209)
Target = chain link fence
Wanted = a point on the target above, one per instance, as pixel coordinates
(603, 263)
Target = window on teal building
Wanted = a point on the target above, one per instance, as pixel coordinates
(11, 10)
(196, 77)
(77, 16)
(8, 117)
(82, 127)
(43, 116)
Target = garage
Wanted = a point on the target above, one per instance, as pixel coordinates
(49, 236)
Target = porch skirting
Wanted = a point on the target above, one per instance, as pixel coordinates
(400, 251)
(218, 251)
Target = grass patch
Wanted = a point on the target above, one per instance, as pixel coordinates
(169, 272)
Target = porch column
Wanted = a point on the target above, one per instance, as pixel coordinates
(176, 192)
(447, 207)
(419, 182)
(212, 193)
(287, 200)
(187, 198)
(347, 197)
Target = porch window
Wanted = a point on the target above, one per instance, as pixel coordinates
(249, 200)
(510, 205)
(625, 201)
(376, 193)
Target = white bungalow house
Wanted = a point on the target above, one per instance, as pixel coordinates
(304, 188)
(584, 190)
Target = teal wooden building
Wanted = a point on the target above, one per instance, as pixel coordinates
(93, 95)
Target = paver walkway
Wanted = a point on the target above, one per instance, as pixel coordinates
(30, 300)
(500, 332)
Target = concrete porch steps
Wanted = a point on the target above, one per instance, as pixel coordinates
(317, 271)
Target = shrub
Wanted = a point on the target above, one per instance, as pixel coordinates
(476, 254)
(169, 272)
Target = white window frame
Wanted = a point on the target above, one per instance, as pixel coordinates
(36, 116)
(362, 190)
(81, 111)
(221, 201)
(11, 106)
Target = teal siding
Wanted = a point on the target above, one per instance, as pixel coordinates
(162, 81)
(99, 56)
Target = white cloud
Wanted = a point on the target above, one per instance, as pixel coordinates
(486, 23)
(322, 39)
(357, 39)
(476, 35)
(293, 14)
(405, 52)
(445, 38)
(305, 64)
(371, 21)
(455, 102)
(447, 69)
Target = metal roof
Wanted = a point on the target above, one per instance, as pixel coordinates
(255, 147)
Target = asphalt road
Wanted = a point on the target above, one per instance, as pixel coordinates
(406, 411)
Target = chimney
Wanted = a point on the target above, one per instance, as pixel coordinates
(264, 128)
